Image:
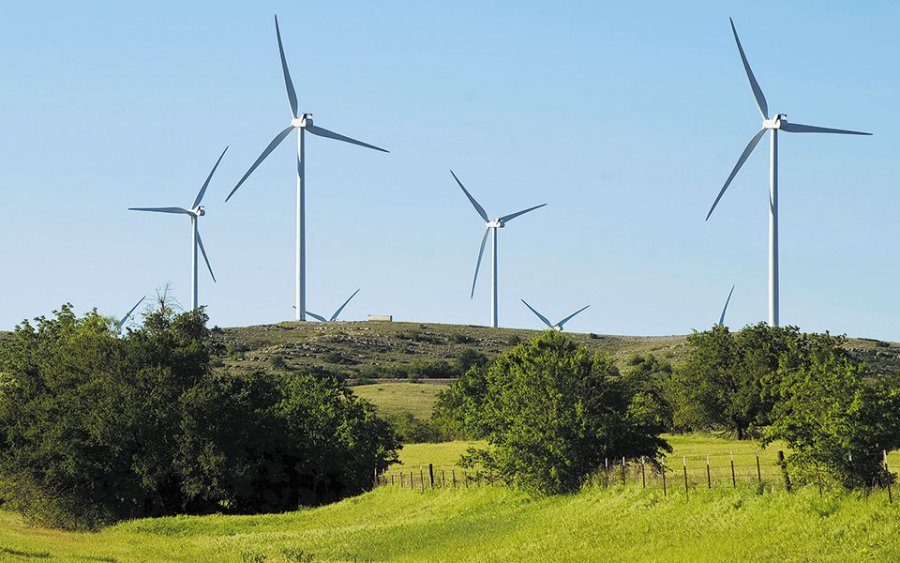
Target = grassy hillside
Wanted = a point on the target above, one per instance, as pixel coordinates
(385, 349)
(496, 524)
(393, 399)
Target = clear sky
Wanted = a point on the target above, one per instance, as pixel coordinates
(625, 117)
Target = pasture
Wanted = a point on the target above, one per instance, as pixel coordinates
(497, 524)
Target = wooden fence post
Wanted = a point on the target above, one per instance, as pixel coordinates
(443, 478)
(411, 480)
(431, 475)
(466, 478)
(392, 479)
(623, 470)
(708, 474)
(643, 475)
(733, 480)
(758, 472)
(784, 471)
(663, 470)
(887, 477)
(453, 474)
(422, 477)
(684, 466)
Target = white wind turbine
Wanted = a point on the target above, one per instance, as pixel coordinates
(725, 308)
(558, 326)
(773, 125)
(336, 313)
(303, 123)
(127, 316)
(195, 212)
(492, 227)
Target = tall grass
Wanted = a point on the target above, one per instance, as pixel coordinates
(496, 524)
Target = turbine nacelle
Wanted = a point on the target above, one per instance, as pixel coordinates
(775, 122)
(302, 122)
(198, 211)
(495, 224)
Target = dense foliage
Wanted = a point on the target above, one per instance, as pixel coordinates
(553, 412)
(96, 428)
(802, 388)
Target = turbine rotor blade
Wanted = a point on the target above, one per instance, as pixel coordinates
(199, 197)
(749, 149)
(288, 83)
(205, 259)
(545, 320)
(565, 320)
(178, 210)
(478, 263)
(477, 205)
(725, 308)
(122, 322)
(757, 91)
(317, 317)
(268, 150)
(799, 128)
(341, 308)
(512, 216)
(321, 132)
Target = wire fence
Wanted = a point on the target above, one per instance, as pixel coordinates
(672, 475)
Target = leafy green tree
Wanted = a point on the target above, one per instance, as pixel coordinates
(95, 428)
(835, 420)
(724, 381)
(553, 412)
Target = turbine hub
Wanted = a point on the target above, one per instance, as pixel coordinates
(302, 121)
(775, 122)
(495, 224)
(199, 211)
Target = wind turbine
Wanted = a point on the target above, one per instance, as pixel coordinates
(773, 125)
(195, 212)
(122, 322)
(336, 313)
(725, 308)
(492, 227)
(303, 123)
(558, 326)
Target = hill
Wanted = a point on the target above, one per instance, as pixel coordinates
(400, 350)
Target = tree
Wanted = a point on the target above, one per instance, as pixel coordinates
(724, 380)
(95, 428)
(553, 413)
(835, 420)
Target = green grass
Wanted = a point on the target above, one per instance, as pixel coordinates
(393, 399)
(496, 524)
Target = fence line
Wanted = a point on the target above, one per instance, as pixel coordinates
(697, 471)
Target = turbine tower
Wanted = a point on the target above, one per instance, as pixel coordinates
(558, 326)
(336, 313)
(725, 308)
(772, 125)
(195, 212)
(303, 123)
(492, 228)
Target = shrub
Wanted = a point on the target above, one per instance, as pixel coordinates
(95, 428)
(835, 421)
(553, 412)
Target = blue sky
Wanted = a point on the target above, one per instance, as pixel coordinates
(625, 117)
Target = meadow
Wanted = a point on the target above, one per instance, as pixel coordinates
(497, 524)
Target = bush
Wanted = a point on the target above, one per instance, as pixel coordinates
(835, 421)
(95, 428)
(553, 413)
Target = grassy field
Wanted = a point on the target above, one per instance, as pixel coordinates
(496, 524)
(392, 399)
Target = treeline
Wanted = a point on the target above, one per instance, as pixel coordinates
(552, 411)
(96, 428)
